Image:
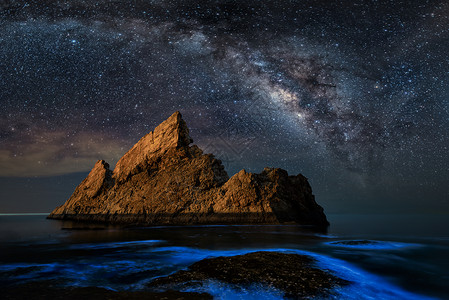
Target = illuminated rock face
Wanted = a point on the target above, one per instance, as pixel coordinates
(164, 180)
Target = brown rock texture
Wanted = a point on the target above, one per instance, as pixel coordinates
(294, 275)
(164, 180)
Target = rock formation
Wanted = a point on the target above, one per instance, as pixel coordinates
(164, 180)
(293, 275)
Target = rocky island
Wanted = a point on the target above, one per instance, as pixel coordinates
(163, 179)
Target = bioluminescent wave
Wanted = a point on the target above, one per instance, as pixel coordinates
(114, 271)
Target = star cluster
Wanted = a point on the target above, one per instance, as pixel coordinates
(353, 94)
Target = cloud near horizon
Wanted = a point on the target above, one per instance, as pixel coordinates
(56, 153)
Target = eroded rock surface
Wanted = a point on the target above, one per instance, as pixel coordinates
(292, 274)
(165, 180)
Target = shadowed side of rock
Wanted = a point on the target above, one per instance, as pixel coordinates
(164, 180)
(282, 198)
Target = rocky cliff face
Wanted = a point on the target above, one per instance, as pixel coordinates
(164, 180)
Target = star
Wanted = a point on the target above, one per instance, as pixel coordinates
(343, 98)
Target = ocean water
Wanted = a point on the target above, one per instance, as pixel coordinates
(384, 256)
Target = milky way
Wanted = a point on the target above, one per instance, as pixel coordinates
(352, 94)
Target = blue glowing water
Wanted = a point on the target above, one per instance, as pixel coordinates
(382, 262)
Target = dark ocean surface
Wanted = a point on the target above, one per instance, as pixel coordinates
(401, 257)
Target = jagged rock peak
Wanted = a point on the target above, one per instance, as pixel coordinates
(163, 180)
(172, 133)
(98, 177)
(101, 164)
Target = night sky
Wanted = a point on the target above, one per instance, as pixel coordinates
(352, 94)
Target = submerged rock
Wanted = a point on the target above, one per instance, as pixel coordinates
(164, 180)
(354, 243)
(292, 274)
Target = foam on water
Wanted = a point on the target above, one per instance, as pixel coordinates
(116, 273)
(364, 285)
(224, 291)
(116, 244)
(370, 244)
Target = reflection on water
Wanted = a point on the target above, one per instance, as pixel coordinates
(370, 245)
(381, 265)
(390, 225)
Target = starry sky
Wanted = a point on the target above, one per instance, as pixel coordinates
(352, 94)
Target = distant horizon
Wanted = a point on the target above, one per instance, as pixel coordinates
(354, 97)
(23, 214)
(224, 149)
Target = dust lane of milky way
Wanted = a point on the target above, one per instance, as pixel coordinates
(353, 95)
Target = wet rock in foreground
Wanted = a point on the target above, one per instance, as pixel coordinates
(292, 274)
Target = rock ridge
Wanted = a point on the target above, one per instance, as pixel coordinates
(163, 179)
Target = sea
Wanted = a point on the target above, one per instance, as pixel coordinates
(383, 256)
